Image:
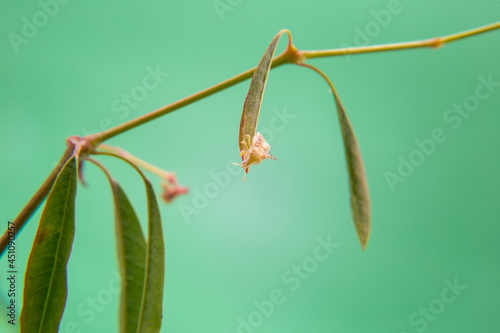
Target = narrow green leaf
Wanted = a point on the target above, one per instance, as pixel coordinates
(360, 199)
(131, 249)
(253, 147)
(152, 296)
(253, 101)
(45, 286)
(142, 264)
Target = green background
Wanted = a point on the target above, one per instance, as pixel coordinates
(441, 223)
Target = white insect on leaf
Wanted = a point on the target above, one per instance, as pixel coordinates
(254, 152)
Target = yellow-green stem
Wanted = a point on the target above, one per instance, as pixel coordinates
(290, 55)
(97, 138)
(103, 169)
(431, 42)
(137, 161)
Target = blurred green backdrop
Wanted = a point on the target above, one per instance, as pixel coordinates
(432, 261)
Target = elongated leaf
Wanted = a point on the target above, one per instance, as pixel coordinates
(142, 265)
(253, 101)
(152, 296)
(360, 199)
(253, 147)
(45, 287)
(131, 259)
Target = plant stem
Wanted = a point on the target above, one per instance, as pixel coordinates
(36, 199)
(123, 158)
(97, 138)
(147, 166)
(103, 169)
(431, 42)
(290, 55)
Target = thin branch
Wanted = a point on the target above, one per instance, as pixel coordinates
(290, 55)
(95, 139)
(137, 161)
(431, 42)
(103, 168)
(132, 164)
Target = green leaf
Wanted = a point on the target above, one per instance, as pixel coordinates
(253, 101)
(142, 265)
(360, 199)
(152, 296)
(131, 249)
(45, 288)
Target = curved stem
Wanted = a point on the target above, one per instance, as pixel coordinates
(431, 42)
(102, 167)
(137, 161)
(37, 198)
(132, 164)
(335, 95)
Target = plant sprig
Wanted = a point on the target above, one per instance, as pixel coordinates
(141, 260)
(289, 55)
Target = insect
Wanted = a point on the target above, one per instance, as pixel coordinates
(254, 152)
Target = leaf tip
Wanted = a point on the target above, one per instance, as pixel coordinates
(363, 236)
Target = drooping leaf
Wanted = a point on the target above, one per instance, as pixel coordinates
(253, 101)
(45, 286)
(152, 296)
(131, 250)
(142, 264)
(254, 148)
(360, 198)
